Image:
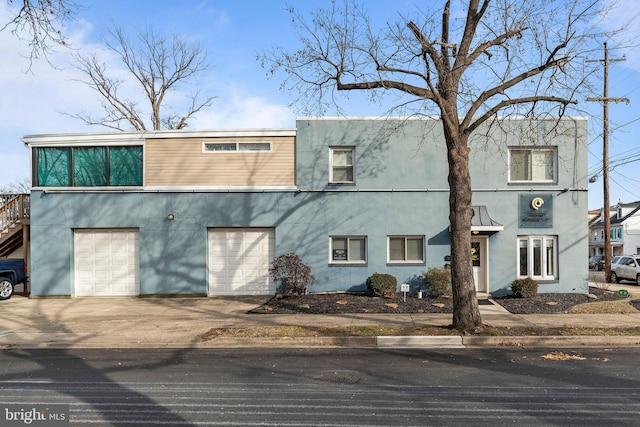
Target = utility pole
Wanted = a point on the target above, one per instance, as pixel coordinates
(605, 158)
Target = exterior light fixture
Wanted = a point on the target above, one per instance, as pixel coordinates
(171, 217)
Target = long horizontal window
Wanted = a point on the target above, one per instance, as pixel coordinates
(88, 166)
(239, 147)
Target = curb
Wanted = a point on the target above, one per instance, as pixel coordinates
(552, 341)
(443, 341)
(372, 342)
(293, 342)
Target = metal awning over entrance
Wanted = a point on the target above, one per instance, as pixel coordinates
(481, 222)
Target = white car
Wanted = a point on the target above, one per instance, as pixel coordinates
(626, 267)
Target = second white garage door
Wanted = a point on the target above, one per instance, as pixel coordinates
(239, 260)
(106, 263)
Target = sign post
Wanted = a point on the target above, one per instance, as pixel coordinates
(404, 288)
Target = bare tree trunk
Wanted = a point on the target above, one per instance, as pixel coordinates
(466, 315)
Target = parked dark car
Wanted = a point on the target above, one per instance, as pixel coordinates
(596, 262)
(12, 271)
(626, 267)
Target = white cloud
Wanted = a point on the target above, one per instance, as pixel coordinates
(241, 111)
(32, 99)
(34, 102)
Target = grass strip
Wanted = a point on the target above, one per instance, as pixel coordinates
(382, 330)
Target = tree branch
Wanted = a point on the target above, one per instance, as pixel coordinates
(158, 65)
(517, 101)
(387, 84)
(41, 20)
(486, 95)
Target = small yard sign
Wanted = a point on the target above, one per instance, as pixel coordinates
(404, 288)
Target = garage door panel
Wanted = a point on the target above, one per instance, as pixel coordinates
(239, 261)
(102, 274)
(234, 261)
(234, 248)
(106, 263)
(119, 260)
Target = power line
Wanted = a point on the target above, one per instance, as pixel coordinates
(624, 188)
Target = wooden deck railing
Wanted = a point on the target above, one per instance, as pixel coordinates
(14, 209)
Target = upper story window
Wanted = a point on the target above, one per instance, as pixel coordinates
(534, 164)
(88, 166)
(342, 169)
(238, 147)
(616, 233)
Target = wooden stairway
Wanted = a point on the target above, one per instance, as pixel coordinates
(14, 221)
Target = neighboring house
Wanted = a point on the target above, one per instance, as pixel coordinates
(205, 212)
(625, 230)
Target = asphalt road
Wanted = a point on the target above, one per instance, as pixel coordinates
(328, 387)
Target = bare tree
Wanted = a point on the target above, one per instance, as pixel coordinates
(157, 65)
(466, 65)
(42, 21)
(22, 186)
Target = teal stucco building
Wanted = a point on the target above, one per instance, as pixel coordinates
(205, 212)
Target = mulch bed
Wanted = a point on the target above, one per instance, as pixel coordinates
(555, 303)
(334, 303)
(352, 303)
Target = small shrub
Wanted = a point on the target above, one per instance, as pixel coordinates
(294, 274)
(524, 288)
(382, 285)
(438, 281)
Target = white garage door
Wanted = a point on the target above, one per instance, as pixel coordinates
(107, 263)
(239, 260)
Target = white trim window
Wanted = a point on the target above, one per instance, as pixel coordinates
(405, 249)
(236, 147)
(348, 250)
(537, 257)
(533, 164)
(341, 165)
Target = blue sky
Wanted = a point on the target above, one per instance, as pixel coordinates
(234, 32)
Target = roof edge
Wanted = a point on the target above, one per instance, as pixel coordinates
(139, 136)
(426, 117)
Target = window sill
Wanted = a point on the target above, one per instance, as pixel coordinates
(347, 264)
(542, 281)
(405, 263)
(513, 183)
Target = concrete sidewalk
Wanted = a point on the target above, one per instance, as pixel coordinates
(180, 323)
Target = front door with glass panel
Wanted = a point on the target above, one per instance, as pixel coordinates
(479, 255)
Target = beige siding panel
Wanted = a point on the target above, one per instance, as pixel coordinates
(181, 162)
